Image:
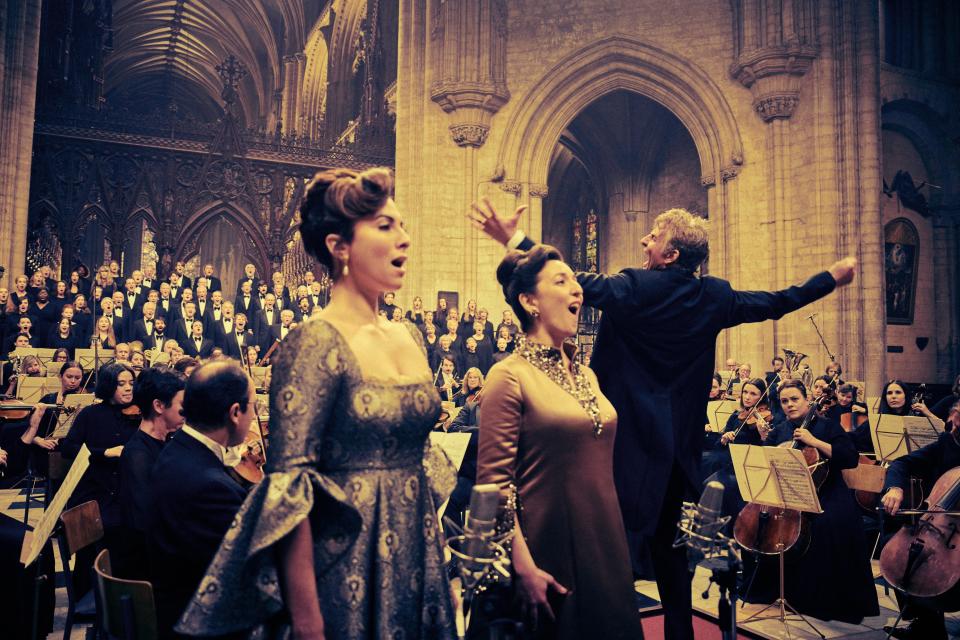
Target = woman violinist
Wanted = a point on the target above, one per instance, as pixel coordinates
(928, 463)
(104, 428)
(44, 418)
(833, 579)
(749, 425)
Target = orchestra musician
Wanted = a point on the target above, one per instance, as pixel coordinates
(446, 382)
(833, 580)
(104, 428)
(928, 464)
(192, 496)
(158, 393)
(43, 420)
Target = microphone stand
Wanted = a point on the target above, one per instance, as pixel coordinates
(724, 575)
(833, 358)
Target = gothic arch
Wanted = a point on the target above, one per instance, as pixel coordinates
(315, 77)
(197, 222)
(341, 50)
(925, 129)
(611, 64)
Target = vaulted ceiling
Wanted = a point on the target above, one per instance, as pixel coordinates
(169, 49)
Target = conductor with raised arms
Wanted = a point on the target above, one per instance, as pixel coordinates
(654, 357)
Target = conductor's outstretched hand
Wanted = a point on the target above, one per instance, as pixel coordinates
(844, 270)
(499, 227)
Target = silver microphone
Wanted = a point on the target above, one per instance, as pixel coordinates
(478, 530)
(704, 525)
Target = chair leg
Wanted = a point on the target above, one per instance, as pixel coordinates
(26, 511)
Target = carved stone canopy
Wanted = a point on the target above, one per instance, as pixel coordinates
(773, 76)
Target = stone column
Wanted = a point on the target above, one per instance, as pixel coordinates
(775, 47)
(469, 63)
(19, 46)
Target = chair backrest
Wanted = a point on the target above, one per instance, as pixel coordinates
(82, 526)
(127, 609)
(57, 466)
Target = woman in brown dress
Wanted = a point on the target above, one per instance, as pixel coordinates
(546, 439)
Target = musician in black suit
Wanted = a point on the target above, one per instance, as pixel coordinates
(166, 305)
(113, 308)
(654, 357)
(247, 301)
(226, 324)
(177, 276)
(183, 321)
(194, 497)
(250, 276)
(160, 337)
(236, 342)
(197, 345)
(144, 327)
(267, 317)
(150, 280)
(278, 332)
(210, 281)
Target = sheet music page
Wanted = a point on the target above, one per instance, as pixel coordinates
(32, 547)
(453, 444)
(753, 475)
(921, 430)
(718, 412)
(796, 485)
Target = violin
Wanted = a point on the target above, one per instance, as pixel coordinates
(924, 560)
(13, 411)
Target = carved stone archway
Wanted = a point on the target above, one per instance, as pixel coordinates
(611, 64)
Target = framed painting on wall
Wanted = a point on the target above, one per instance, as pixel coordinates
(901, 251)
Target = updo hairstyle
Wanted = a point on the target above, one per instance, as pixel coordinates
(335, 199)
(518, 273)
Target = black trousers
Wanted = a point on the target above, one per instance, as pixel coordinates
(669, 564)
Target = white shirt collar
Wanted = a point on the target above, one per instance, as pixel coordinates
(228, 456)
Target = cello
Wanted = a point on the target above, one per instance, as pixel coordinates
(771, 530)
(924, 560)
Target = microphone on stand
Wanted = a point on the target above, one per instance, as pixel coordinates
(477, 548)
(699, 525)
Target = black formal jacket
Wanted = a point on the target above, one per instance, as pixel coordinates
(192, 502)
(654, 357)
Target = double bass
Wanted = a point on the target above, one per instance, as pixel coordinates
(771, 530)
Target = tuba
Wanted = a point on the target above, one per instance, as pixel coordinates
(792, 360)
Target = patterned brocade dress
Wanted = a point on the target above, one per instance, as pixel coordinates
(352, 455)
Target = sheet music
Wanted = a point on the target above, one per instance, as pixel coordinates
(453, 444)
(796, 486)
(896, 436)
(774, 476)
(922, 431)
(718, 412)
(34, 544)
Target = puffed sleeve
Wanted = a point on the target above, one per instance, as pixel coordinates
(241, 590)
(500, 431)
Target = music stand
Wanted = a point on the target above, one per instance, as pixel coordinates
(896, 436)
(776, 477)
(93, 359)
(30, 390)
(72, 404)
(259, 375)
(719, 411)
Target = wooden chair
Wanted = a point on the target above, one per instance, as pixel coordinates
(80, 527)
(126, 608)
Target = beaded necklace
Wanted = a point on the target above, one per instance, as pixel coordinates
(550, 362)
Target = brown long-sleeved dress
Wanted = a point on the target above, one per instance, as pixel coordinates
(536, 435)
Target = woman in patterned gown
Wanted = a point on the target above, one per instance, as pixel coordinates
(341, 540)
(546, 439)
